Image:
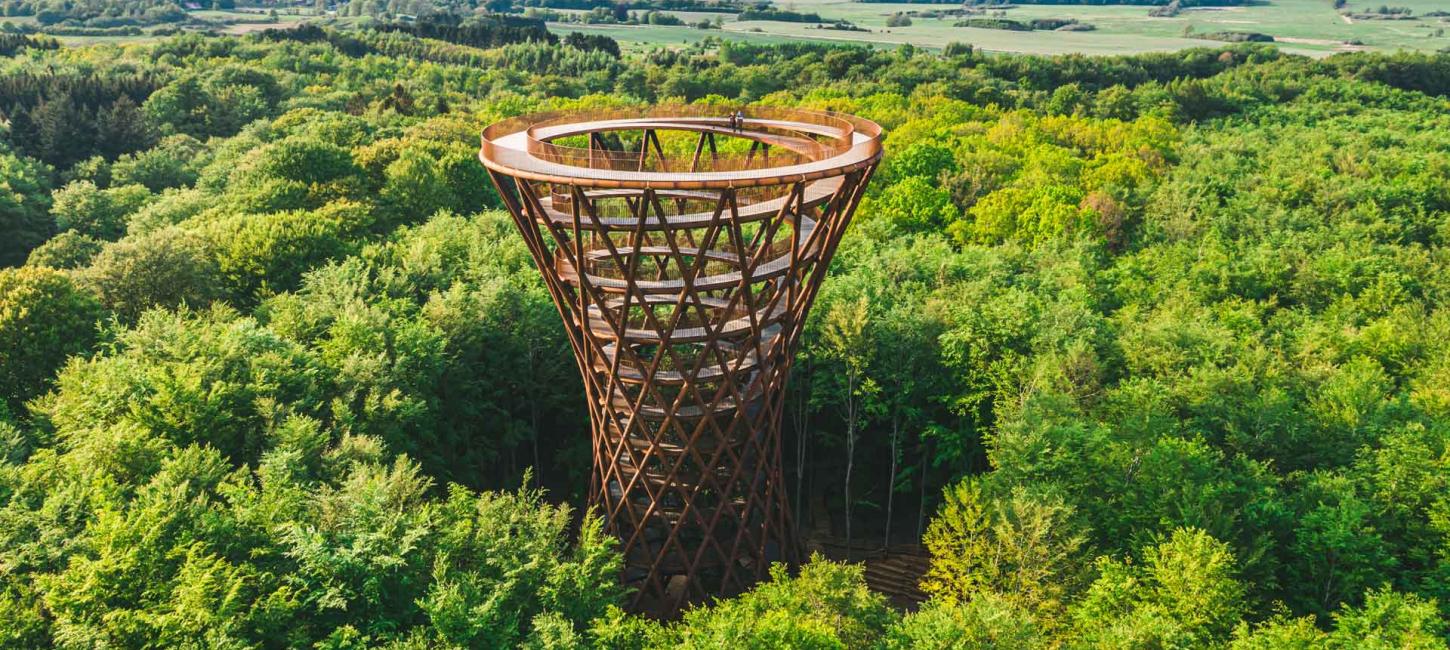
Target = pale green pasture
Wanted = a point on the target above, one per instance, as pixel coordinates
(637, 36)
(936, 34)
(1310, 27)
(687, 16)
(223, 16)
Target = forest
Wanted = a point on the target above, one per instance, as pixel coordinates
(1146, 351)
(96, 13)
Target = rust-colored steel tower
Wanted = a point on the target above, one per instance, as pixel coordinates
(683, 247)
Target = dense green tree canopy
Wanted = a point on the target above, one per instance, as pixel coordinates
(24, 206)
(1146, 351)
(44, 318)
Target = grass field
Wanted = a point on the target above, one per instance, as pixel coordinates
(230, 22)
(1309, 27)
(644, 36)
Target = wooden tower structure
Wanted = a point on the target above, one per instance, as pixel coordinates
(683, 247)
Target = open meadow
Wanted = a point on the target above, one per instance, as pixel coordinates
(1310, 27)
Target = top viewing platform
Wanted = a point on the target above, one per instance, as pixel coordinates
(681, 147)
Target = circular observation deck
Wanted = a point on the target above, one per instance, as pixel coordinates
(763, 146)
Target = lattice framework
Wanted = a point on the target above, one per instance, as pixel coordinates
(684, 288)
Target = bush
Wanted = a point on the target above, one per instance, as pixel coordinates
(986, 621)
(68, 250)
(166, 268)
(24, 207)
(44, 318)
(172, 163)
(295, 173)
(97, 213)
(1236, 37)
(171, 208)
(994, 23)
(1185, 594)
(261, 254)
(828, 605)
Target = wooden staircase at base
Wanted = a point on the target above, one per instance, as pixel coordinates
(894, 571)
(897, 575)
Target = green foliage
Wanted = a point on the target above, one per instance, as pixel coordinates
(927, 160)
(619, 630)
(44, 318)
(260, 254)
(1021, 550)
(986, 622)
(504, 572)
(827, 606)
(99, 213)
(1184, 595)
(414, 187)
(203, 554)
(1179, 309)
(233, 505)
(1350, 556)
(212, 377)
(447, 309)
(1035, 179)
(166, 268)
(915, 205)
(67, 250)
(1391, 620)
(219, 103)
(101, 14)
(24, 206)
(171, 163)
(1036, 214)
(1281, 634)
(171, 208)
(293, 173)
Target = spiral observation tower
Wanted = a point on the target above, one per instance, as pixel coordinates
(683, 247)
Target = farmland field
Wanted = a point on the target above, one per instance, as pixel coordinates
(1311, 27)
